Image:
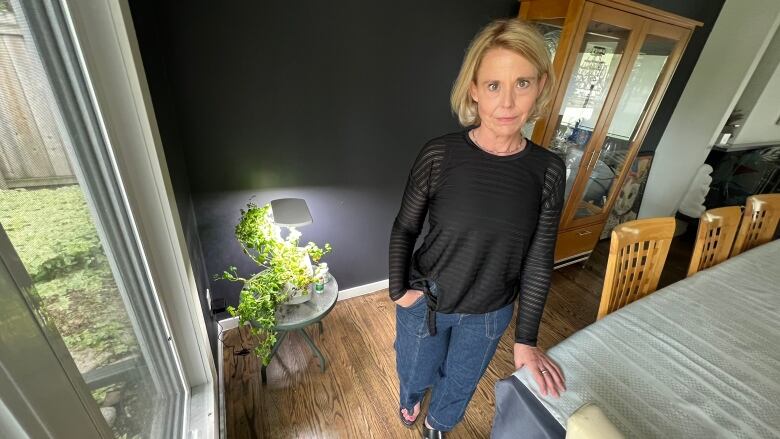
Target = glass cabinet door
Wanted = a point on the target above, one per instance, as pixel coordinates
(619, 146)
(589, 77)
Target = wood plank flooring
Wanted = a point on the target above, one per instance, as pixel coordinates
(356, 395)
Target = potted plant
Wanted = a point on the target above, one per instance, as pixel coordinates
(286, 273)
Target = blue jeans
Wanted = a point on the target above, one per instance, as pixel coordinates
(451, 362)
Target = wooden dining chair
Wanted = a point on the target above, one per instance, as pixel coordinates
(759, 222)
(637, 253)
(715, 237)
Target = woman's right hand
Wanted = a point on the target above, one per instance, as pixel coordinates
(409, 298)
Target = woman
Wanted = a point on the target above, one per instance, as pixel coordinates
(493, 200)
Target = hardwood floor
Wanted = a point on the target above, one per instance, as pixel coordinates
(356, 395)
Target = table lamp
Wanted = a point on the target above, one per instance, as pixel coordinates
(291, 212)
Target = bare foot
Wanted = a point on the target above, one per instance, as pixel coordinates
(413, 416)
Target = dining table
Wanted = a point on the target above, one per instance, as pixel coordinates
(699, 358)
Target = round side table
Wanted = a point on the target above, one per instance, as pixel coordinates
(295, 318)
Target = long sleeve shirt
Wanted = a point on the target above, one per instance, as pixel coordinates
(493, 223)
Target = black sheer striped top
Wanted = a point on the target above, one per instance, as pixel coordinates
(493, 222)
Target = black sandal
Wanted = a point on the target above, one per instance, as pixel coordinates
(432, 433)
(407, 423)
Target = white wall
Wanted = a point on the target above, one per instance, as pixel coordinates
(732, 51)
(760, 101)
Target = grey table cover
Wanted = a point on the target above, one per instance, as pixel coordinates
(697, 359)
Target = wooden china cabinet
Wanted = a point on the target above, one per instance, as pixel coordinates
(614, 60)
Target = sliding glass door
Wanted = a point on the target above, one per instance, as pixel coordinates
(84, 348)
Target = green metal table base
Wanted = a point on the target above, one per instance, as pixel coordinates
(306, 338)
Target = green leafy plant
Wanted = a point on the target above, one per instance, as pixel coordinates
(284, 269)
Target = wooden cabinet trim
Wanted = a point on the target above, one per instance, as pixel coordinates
(577, 241)
(650, 12)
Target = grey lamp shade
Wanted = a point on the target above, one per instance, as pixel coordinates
(291, 212)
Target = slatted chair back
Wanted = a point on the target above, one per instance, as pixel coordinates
(715, 237)
(759, 222)
(637, 254)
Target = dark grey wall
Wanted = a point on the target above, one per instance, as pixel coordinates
(328, 101)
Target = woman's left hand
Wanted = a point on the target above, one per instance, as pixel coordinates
(546, 373)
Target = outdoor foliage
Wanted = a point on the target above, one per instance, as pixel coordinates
(53, 234)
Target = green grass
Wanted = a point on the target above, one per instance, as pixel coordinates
(54, 236)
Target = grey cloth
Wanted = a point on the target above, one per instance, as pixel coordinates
(698, 359)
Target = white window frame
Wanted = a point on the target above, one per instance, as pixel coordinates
(110, 56)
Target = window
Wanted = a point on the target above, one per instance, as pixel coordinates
(89, 298)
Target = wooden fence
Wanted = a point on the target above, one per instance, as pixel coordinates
(32, 151)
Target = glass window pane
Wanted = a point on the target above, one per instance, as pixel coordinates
(633, 102)
(595, 66)
(46, 216)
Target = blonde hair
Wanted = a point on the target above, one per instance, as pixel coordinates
(511, 34)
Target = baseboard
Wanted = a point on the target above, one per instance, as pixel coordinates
(228, 323)
(364, 289)
(222, 326)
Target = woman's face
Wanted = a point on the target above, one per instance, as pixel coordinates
(506, 89)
